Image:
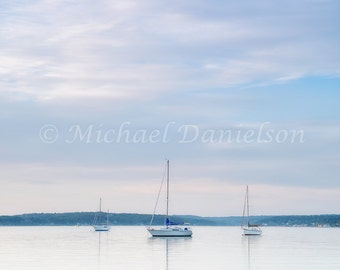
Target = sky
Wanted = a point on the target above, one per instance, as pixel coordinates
(95, 96)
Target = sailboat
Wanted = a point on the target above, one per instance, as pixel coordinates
(248, 229)
(170, 229)
(100, 225)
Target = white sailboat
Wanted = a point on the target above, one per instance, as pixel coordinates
(170, 229)
(248, 229)
(100, 225)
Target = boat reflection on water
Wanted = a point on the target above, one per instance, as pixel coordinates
(103, 240)
(249, 242)
(173, 247)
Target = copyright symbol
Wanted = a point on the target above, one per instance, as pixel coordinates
(48, 134)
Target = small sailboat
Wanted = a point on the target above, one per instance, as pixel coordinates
(170, 229)
(100, 224)
(248, 229)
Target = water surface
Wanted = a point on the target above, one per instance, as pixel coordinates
(127, 248)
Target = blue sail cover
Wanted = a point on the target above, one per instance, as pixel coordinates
(168, 222)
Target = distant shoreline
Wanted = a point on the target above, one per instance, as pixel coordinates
(131, 219)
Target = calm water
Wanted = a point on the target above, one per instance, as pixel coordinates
(211, 248)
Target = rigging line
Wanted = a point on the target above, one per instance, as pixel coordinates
(244, 206)
(159, 192)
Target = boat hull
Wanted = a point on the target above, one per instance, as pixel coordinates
(101, 228)
(252, 231)
(170, 232)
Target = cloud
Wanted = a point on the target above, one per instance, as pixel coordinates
(214, 66)
(132, 50)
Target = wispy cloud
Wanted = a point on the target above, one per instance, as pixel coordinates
(108, 49)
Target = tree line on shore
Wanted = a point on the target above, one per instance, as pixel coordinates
(125, 219)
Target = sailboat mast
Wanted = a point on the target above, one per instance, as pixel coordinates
(247, 206)
(244, 208)
(100, 204)
(167, 189)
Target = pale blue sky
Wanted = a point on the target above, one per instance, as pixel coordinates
(167, 66)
